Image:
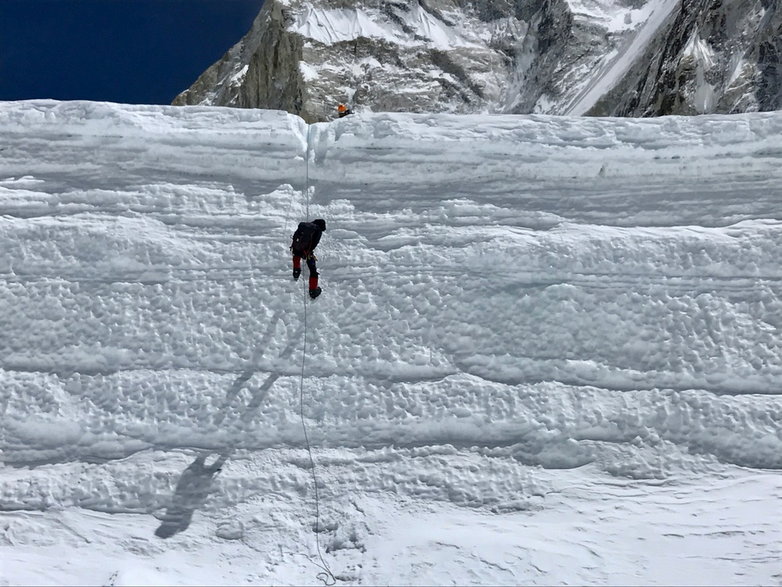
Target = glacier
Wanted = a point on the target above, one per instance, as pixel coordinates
(548, 348)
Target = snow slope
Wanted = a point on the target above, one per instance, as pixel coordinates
(548, 349)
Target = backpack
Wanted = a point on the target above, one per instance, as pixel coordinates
(301, 244)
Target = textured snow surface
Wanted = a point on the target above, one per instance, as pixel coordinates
(548, 349)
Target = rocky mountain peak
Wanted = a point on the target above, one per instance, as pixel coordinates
(610, 57)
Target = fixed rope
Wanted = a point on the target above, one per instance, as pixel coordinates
(325, 575)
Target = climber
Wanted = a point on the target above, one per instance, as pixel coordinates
(303, 243)
(343, 110)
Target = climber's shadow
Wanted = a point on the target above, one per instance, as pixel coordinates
(190, 494)
(259, 395)
(195, 484)
(252, 368)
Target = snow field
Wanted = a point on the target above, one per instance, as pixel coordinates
(530, 327)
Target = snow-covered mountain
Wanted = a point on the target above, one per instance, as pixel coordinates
(548, 350)
(617, 57)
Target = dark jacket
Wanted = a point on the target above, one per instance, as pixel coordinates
(307, 236)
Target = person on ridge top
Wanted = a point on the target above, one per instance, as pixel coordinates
(343, 110)
(303, 243)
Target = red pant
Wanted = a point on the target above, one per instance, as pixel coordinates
(311, 259)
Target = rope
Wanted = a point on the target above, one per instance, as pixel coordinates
(325, 575)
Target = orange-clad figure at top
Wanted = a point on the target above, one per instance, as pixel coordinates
(343, 110)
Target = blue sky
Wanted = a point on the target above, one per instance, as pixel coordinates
(133, 51)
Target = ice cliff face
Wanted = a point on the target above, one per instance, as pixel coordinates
(613, 57)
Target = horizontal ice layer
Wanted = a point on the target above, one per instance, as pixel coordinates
(707, 170)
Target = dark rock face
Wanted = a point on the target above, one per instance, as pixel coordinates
(596, 57)
(547, 48)
(767, 53)
(258, 72)
(715, 56)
